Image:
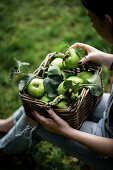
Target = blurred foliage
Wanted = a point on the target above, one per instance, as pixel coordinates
(29, 30)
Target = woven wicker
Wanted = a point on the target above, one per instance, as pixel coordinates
(74, 115)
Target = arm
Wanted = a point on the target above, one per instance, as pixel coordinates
(57, 125)
(98, 144)
(95, 55)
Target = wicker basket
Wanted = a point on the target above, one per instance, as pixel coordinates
(75, 115)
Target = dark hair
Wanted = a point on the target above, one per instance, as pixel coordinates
(99, 7)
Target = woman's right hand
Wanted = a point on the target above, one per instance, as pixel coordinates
(94, 55)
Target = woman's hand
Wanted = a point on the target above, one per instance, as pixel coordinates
(54, 124)
(94, 55)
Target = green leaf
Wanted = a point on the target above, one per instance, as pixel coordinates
(43, 68)
(76, 88)
(21, 64)
(95, 79)
(60, 46)
(95, 90)
(14, 72)
(54, 70)
(56, 79)
(68, 85)
(95, 85)
(50, 88)
(50, 85)
(80, 52)
(25, 81)
(57, 100)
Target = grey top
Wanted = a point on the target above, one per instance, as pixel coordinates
(108, 120)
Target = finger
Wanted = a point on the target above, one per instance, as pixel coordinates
(53, 115)
(84, 60)
(39, 117)
(84, 46)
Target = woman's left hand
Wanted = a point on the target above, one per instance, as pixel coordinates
(54, 124)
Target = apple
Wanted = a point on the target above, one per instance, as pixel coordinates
(75, 79)
(36, 88)
(84, 75)
(45, 98)
(61, 89)
(58, 62)
(63, 104)
(72, 61)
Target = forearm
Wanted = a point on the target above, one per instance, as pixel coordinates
(98, 144)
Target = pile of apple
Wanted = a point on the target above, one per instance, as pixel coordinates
(67, 65)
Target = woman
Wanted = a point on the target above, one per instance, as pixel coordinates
(93, 142)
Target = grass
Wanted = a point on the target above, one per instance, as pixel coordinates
(29, 31)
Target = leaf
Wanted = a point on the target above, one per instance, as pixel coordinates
(95, 79)
(57, 100)
(56, 79)
(44, 71)
(50, 88)
(80, 52)
(21, 64)
(95, 85)
(76, 88)
(68, 85)
(14, 72)
(95, 90)
(54, 70)
(25, 81)
(50, 85)
(60, 46)
(43, 68)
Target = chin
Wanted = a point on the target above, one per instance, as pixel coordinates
(108, 39)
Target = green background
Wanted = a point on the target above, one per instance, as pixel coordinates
(29, 30)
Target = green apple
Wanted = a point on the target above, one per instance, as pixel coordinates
(63, 104)
(75, 79)
(58, 62)
(61, 89)
(36, 88)
(72, 61)
(45, 98)
(84, 75)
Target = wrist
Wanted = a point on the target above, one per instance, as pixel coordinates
(110, 59)
(107, 59)
(69, 132)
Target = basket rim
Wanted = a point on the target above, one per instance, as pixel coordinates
(43, 104)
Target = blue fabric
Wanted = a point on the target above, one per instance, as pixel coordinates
(22, 136)
(109, 115)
